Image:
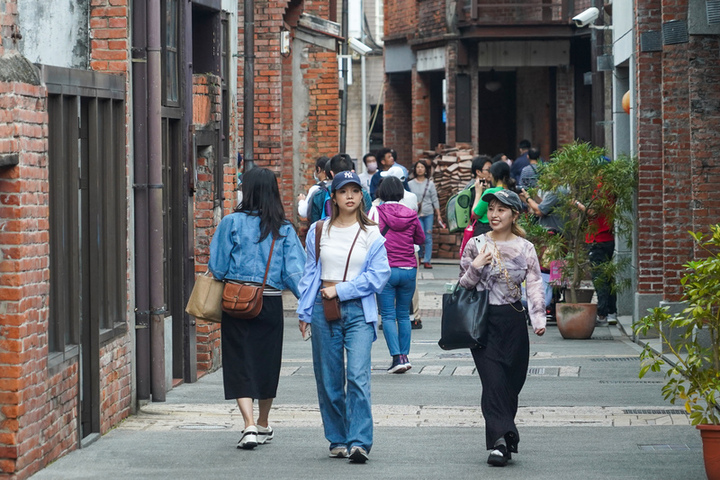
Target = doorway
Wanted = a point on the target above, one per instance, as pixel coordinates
(497, 112)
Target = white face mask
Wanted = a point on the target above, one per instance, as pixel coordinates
(372, 167)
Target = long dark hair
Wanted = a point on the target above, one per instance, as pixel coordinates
(261, 198)
(500, 171)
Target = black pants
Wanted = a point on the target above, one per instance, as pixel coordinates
(502, 367)
(601, 252)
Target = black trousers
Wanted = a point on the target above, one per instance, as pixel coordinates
(601, 252)
(502, 367)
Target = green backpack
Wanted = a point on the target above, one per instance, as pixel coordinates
(459, 210)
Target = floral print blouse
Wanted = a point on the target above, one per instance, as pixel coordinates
(518, 256)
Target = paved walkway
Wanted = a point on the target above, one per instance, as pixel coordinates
(584, 413)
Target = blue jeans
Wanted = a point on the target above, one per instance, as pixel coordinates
(394, 302)
(346, 413)
(426, 250)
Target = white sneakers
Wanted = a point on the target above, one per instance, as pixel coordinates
(264, 434)
(249, 439)
(255, 435)
(338, 452)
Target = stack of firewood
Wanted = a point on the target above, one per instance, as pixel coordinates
(451, 173)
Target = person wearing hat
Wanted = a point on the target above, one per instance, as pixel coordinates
(499, 261)
(353, 267)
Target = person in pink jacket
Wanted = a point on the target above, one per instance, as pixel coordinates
(402, 231)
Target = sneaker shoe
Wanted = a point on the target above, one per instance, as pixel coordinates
(398, 366)
(406, 362)
(416, 324)
(499, 456)
(358, 455)
(427, 265)
(612, 318)
(601, 321)
(338, 452)
(249, 439)
(264, 434)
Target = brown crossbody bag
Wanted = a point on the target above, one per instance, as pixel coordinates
(245, 301)
(331, 306)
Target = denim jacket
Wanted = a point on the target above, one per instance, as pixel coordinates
(236, 255)
(372, 279)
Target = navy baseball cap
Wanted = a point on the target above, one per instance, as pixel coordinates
(343, 178)
(506, 197)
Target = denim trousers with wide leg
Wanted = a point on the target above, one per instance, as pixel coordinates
(345, 408)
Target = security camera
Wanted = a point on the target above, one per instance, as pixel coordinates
(358, 46)
(587, 17)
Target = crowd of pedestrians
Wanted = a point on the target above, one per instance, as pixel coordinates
(368, 235)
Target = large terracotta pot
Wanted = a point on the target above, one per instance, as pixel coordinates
(576, 320)
(710, 435)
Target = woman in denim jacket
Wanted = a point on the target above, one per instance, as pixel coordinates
(346, 411)
(239, 251)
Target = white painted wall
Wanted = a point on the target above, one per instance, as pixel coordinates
(55, 32)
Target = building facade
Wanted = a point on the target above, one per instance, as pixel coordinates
(121, 130)
(489, 76)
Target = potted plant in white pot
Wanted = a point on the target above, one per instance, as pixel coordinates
(693, 376)
(589, 187)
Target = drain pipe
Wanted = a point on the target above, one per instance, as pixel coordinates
(155, 204)
(249, 85)
(345, 60)
(140, 169)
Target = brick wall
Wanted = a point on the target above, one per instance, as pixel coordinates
(274, 124)
(109, 36)
(649, 136)
(207, 114)
(420, 117)
(704, 101)
(431, 19)
(109, 53)
(399, 18)
(26, 392)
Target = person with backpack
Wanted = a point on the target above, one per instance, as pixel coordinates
(321, 204)
(320, 186)
(529, 174)
(346, 267)
(500, 180)
(402, 231)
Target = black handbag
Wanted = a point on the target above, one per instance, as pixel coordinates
(464, 319)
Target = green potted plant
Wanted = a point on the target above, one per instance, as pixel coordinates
(589, 186)
(693, 353)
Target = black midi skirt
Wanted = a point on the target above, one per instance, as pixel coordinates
(502, 367)
(252, 352)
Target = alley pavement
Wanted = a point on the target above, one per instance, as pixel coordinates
(584, 414)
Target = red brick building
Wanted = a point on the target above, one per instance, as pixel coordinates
(674, 131)
(118, 156)
(488, 75)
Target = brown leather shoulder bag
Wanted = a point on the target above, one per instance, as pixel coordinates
(245, 301)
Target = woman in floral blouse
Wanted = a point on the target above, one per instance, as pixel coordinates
(499, 261)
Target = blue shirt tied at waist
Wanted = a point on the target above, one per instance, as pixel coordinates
(235, 253)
